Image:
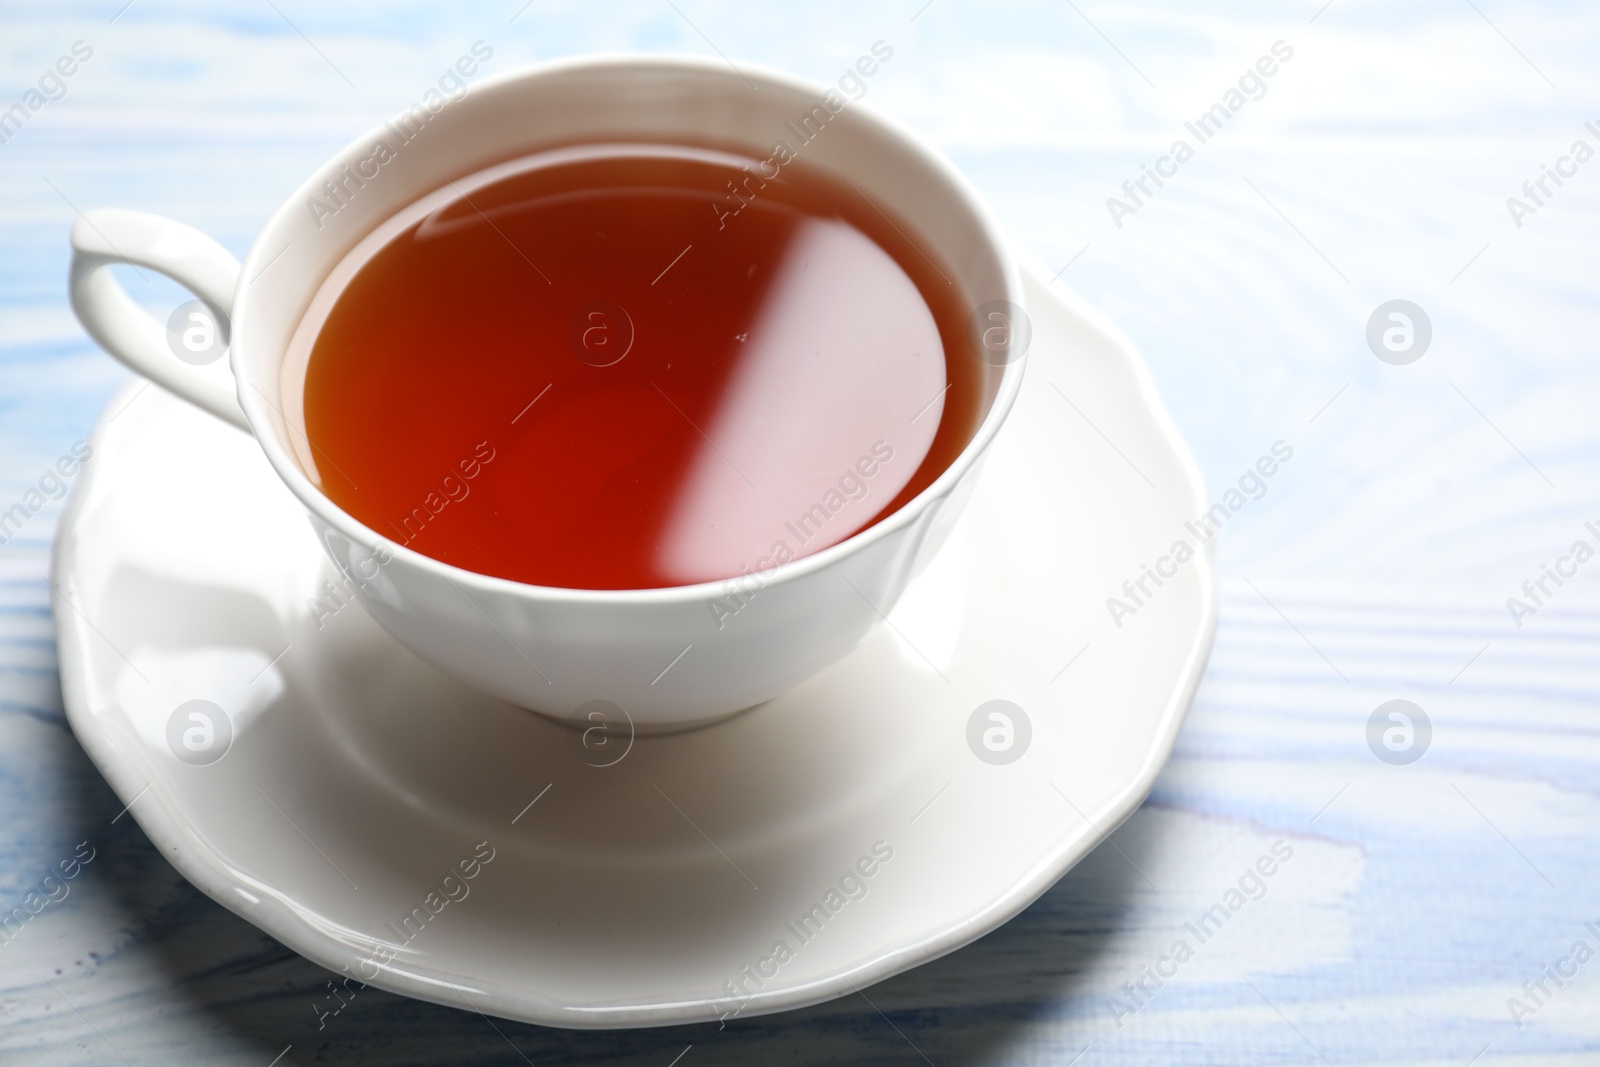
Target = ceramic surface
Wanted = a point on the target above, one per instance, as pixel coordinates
(857, 820)
(666, 655)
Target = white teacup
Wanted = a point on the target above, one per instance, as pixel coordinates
(670, 657)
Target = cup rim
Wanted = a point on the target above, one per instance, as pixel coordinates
(258, 411)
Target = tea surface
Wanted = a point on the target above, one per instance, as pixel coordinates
(638, 367)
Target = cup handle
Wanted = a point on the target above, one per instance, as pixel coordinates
(110, 236)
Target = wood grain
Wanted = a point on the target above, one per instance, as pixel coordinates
(1376, 565)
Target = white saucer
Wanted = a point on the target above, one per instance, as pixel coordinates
(628, 895)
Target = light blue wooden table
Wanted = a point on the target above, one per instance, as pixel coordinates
(1424, 901)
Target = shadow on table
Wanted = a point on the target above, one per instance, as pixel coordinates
(961, 1009)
